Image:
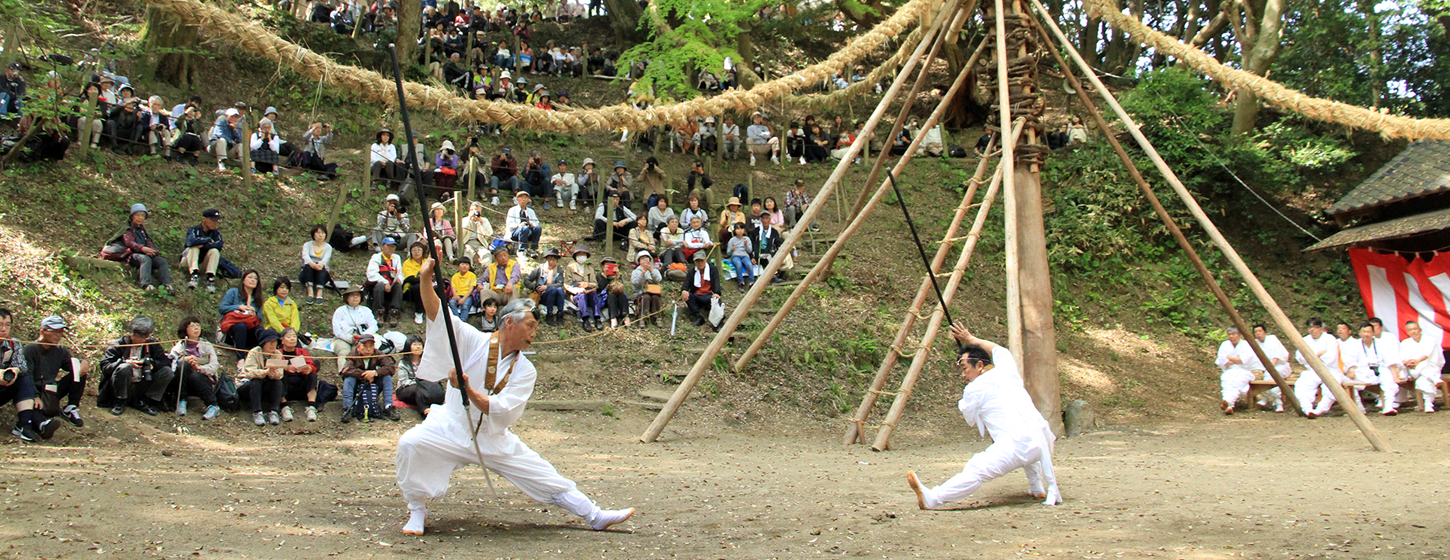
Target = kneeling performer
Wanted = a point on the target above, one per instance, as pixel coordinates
(499, 380)
(996, 402)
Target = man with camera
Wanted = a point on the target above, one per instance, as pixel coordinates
(18, 386)
(503, 169)
(522, 224)
(136, 359)
(392, 222)
(158, 125)
(537, 178)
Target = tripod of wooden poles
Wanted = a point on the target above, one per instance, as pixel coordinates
(1015, 47)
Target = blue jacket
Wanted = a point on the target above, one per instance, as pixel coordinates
(225, 130)
(207, 240)
(232, 300)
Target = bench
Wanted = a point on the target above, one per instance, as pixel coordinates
(1257, 387)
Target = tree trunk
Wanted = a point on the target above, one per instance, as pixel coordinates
(1259, 43)
(163, 35)
(1376, 56)
(1088, 41)
(12, 43)
(624, 20)
(410, 22)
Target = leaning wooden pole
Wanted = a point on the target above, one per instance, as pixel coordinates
(1280, 318)
(1009, 191)
(702, 364)
(933, 326)
(910, 101)
(857, 220)
(1172, 225)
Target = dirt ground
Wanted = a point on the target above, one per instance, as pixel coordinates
(1252, 486)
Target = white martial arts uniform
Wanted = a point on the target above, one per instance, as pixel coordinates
(1389, 350)
(1373, 359)
(1327, 347)
(998, 405)
(1347, 356)
(1276, 351)
(1235, 378)
(1426, 373)
(430, 452)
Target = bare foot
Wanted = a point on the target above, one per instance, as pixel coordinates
(916, 487)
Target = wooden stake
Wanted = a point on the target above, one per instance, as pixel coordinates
(472, 168)
(84, 136)
(1009, 193)
(1172, 225)
(246, 153)
(708, 356)
(1280, 319)
(857, 220)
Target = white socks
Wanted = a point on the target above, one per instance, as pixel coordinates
(416, 515)
(579, 504)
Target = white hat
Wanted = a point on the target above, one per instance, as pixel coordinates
(437, 205)
(233, 112)
(505, 75)
(392, 197)
(447, 145)
(709, 120)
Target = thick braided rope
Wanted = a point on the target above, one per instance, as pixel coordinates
(887, 68)
(1389, 126)
(372, 86)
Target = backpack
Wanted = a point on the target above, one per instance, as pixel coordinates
(341, 239)
(365, 402)
(957, 152)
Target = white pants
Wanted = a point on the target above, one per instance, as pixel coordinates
(1304, 390)
(1234, 384)
(1426, 377)
(1032, 454)
(430, 452)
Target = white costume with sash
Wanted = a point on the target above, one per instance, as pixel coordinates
(1275, 350)
(1235, 377)
(1426, 374)
(998, 405)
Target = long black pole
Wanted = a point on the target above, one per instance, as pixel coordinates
(427, 220)
(919, 249)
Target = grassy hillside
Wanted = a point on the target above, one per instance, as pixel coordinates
(1134, 338)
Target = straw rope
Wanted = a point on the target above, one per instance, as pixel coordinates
(1389, 126)
(369, 85)
(886, 69)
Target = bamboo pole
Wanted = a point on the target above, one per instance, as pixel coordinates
(472, 168)
(854, 432)
(246, 153)
(933, 326)
(708, 356)
(1009, 193)
(857, 220)
(1172, 225)
(906, 106)
(84, 136)
(1280, 319)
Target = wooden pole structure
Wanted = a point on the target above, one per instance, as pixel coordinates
(857, 220)
(608, 203)
(246, 153)
(1172, 225)
(933, 325)
(907, 105)
(84, 136)
(332, 216)
(854, 432)
(472, 168)
(1009, 191)
(1280, 319)
(708, 356)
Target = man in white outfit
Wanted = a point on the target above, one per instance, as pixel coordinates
(499, 381)
(996, 402)
(1423, 359)
(1277, 354)
(1234, 357)
(1340, 356)
(1373, 359)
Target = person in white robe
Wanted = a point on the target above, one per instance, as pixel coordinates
(1393, 373)
(1422, 358)
(1341, 355)
(997, 404)
(1279, 356)
(499, 381)
(1373, 360)
(1234, 357)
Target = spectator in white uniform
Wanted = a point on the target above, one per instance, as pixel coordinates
(1234, 357)
(1423, 359)
(1277, 354)
(1341, 357)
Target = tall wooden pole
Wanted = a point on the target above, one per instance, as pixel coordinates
(1172, 225)
(708, 356)
(246, 152)
(857, 220)
(1009, 190)
(1280, 318)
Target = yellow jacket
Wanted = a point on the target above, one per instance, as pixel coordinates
(278, 316)
(411, 267)
(463, 283)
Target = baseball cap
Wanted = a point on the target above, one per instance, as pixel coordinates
(391, 197)
(211, 213)
(389, 241)
(233, 112)
(54, 323)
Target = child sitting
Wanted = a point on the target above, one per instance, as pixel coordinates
(741, 257)
(464, 284)
(488, 317)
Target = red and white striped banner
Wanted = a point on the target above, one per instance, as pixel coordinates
(1398, 290)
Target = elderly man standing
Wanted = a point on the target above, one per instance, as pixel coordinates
(137, 360)
(498, 380)
(1423, 360)
(1234, 357)
(203, 249)
(997, 403)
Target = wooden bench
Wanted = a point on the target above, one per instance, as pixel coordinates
(1257, 387)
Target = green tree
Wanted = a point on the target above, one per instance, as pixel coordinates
(686, 36)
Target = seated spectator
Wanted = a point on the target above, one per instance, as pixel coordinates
(136, 248)
(536, 179)
(241, 313)
(187, 144)
(94, 123)
(696, 239)
(488, 320)
(17, 385)
(843, 145)
(385, 282)
(684, 136)
(616, 297)
(818, 145)
(423, 163)
(266, 148)
(901, 142)
(421, 394)
(465, 289)
(203, 249)
(364, 367)
(124, 125)
(641, 238)
(767, 243)
(316, 275)
(758, 139)
(672, 244)
(589, 183)
(226, 138)
(742, 257)
(197, 369)
(796, 201)
(698, 184)
(701, 289)
(280, 311)
(156, 121)
(261, 379)
(582, 285)
(546, 284)
(931, 143)
(503, 169)
(777, 217)
(349, 322)
(54, 373)
(299, 378)
(1077, 134)
(417, 253)
(522, 225)
(12, 93)
(442, 228)
(694, 210)
(729, 217)
(622, 221)
(654, 183)
(392, 222)
(445, 172)
(315, 142)
(795, 143)
(477, 232)
(730, 139)
(565, 186)
(499, 280)
(659, 214)
(647, 282)
(387, 165)
(705, 139)
(135, 371)
(621, 183)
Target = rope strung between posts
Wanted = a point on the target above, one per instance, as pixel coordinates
(371, 86)
(1389, 126)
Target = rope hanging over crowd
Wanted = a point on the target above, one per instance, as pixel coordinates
(372, 86)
